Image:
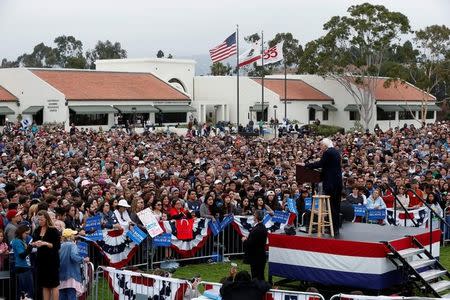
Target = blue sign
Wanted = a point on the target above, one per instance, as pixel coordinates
(162, 240)
(226, 221)
(308, 203)
(280, 216)
(266, 219)
(292, 206)
(136, 235)
(82, 249)
(94, 236)
(376, 214)
(360, 210)
(93, 224)
(215, 227)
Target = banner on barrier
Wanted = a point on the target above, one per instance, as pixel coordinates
(133, 285)
(280, 216)
(420, 216)
(162, 240)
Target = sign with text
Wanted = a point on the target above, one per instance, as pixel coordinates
(82, 249)
(93, 224)
(280, 216)
(162, 240)
(136, 235)
(292, 206)
(150, 223)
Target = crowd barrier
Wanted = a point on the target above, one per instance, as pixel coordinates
(118, 284)
(362, 297)
(8, 280)
(274, 294)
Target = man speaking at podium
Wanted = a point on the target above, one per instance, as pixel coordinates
(331, 176)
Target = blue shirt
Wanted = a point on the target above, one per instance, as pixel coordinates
(19, 247)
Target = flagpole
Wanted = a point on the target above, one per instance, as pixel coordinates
(262, 80)
(237, 75)
(285, 90)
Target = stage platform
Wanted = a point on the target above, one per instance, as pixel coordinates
(357, 258)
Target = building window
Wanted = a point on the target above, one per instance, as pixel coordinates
(87, 120)
(406, 115)
(2, 120)
(430, 115)
(385, 115)
(162, 118)
(258, 115)
(355, 116)
(325, 114)
(312, 114)
(138, 118)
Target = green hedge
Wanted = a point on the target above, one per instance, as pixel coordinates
(326, 130)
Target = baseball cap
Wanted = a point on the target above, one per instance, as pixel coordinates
(11, 214)
(218, 181)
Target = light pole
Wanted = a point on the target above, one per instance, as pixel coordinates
(276, 121)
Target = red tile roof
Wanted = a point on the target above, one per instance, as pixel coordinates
(400, 92)
(99, 85)
(296, 89)
(5, 95)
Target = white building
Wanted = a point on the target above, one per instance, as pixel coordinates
(126, 91)
(91, 98)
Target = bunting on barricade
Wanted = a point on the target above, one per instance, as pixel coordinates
(127, 285)
(188, 247)
(243, 224)
(115, 247)
(420, 216)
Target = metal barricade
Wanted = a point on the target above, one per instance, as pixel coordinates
(231, 242)
(362, 297)
(272, 294)
(6, 288)
(87, 274)
(445, 228)
(210, 250)
(113, 283)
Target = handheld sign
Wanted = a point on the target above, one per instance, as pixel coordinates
(150, 223)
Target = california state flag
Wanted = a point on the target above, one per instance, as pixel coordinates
(251, 55)
(272, 55)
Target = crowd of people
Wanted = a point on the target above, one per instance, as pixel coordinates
(52, 180)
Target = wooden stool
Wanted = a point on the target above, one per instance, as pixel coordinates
(323, 210)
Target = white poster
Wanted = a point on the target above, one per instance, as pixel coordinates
(149, 221)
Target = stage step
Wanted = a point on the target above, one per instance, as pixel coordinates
(440, 285)
(446, 296)
(432, 274)
(421, 263)
(410, 252)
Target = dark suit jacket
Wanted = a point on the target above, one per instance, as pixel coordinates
(256, 244)
(331, 170)
(251, 290)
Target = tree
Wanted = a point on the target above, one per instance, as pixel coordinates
(42, 57)
(433, 64)
(160, 54)
(352, 51)
(69, 52)
(105, 50)
(170, 56)
(9, 64)
(292, 50)
(219, 69)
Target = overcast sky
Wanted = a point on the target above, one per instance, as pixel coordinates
(180, 27)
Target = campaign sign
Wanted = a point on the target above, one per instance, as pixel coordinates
(376, 214)
(226, 221)
(94, 236)
(359, 210)
(215, 227)
(136, 235)
(266, 219)
(150, 223)
(93, 224)
(292, 206)
(162, 240)
(82, 249)
(280, 216)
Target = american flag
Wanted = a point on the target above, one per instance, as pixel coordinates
(225, 49)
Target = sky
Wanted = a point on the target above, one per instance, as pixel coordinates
(183, 28)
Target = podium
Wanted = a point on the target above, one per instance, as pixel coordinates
(305, 175)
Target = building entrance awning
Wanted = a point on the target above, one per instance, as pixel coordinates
(390, 108)
(32, 110)
(433, 107)
(139, 109)
(93, 109)
(351, 107)
(175, 108)
(5, 110)
(329, 107)
(258, 107)
(315, 106)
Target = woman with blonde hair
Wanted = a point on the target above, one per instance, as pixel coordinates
(46, 239)
(69, 274)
